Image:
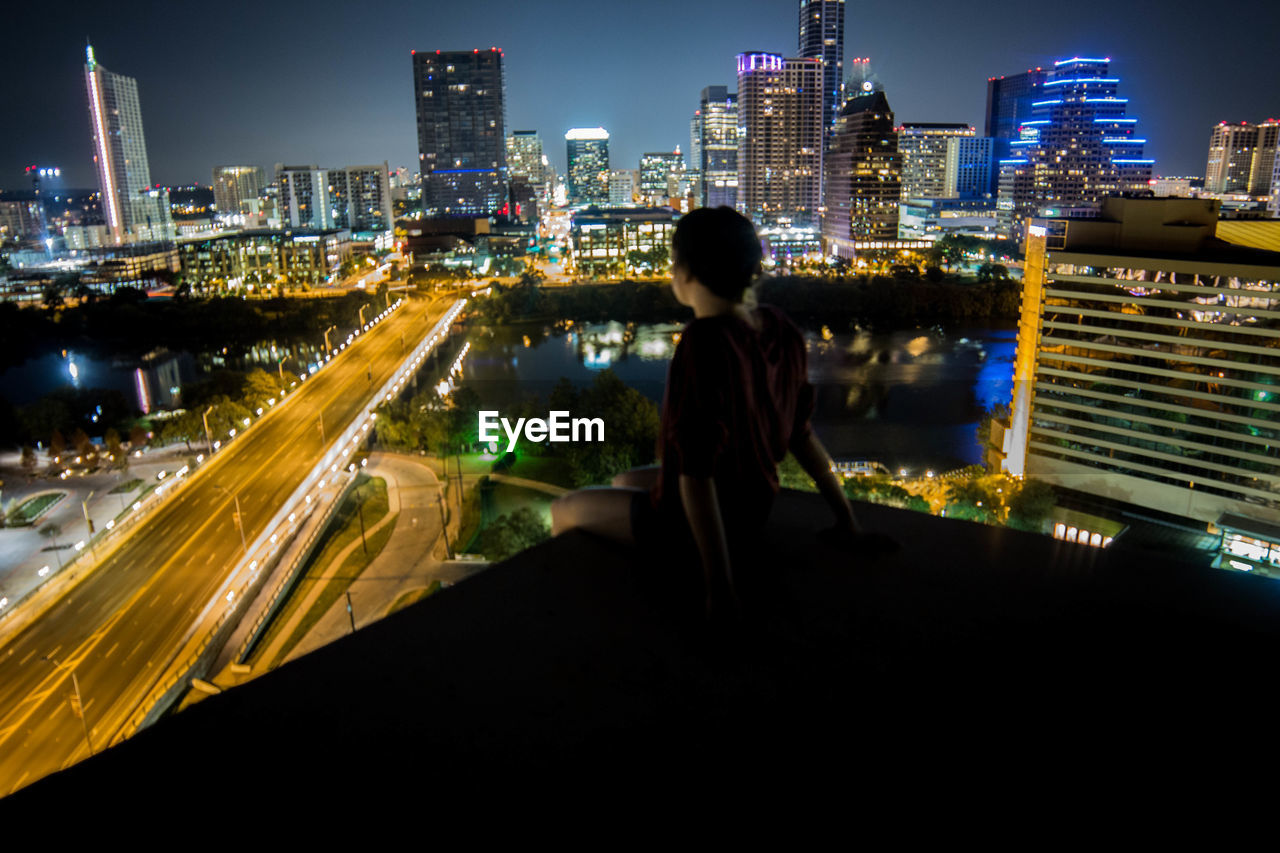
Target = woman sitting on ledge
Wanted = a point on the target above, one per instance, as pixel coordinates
(737, 399)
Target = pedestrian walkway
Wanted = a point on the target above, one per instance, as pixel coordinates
(536, 485)
(410, 560)
(312, 589)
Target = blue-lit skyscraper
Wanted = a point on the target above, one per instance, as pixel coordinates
(1009, 100)
(1078, 146)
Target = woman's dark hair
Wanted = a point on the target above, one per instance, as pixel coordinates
(718, 246)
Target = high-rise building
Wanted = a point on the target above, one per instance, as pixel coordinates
(134, 210)
(660, 175)
(863, 176)
(234, 186)
(1078, 147)
(588, 153)
(622, 187)
(304, 197)
(1009, 102)
(714, 151)
(1143, 373)
(780, 135)
(1273, 201)
(360, 198)
(822, 37)
(353, 197)
(461, 131)
(943, 161)
(526, 158)
(1242, 157)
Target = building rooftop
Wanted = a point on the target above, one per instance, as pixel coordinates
(580, 669)
(1176, 229)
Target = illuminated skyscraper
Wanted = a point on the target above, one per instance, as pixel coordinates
(714, 154)
(461, 132)
(1241, 157)
(1078, 147)
(588, 153)
(660, 175)
(822, 37)
(525, 158)
(943, 161)
(780, 136)
(622, 185)
(133, 209)
(233, 186)
(863, 183)
(1009, 102)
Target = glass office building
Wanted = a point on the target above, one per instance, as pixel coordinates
(1079, 145)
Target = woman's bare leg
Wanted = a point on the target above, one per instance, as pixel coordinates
(638, 478)
(600, 510)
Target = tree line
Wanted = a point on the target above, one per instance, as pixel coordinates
(863, 299)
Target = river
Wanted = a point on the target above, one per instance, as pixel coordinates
(908, 399)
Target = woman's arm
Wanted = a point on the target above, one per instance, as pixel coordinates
(813, 458)
(702, 509)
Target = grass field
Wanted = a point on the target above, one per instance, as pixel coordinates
(34, 507)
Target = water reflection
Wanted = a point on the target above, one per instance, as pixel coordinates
(907, 398)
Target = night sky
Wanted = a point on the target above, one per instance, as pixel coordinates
(329, 82)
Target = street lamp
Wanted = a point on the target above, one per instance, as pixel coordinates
(444, 524)
(78, 707)
(207, 438)
(362, 307)
(84, 505)
(326, 338)
(239, 520)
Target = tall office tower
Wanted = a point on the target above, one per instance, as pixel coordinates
(780, 136)
(863, 180)
(822, 37)
(1142, 372)
(1078, 147)
(588, 152)
(233, 186)
(1241, 157)
(660, 175)
(461, 131)
(943, 161)
(134, 210)
(622, 186)
(714, 154)
(1009, 102)
(526, 158)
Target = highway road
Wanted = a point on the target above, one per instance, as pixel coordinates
(122, 625)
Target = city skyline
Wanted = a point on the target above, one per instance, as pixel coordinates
(561, 77)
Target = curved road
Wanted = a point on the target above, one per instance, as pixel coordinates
(120, 627)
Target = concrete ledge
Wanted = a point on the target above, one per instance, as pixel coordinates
(971, 648)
